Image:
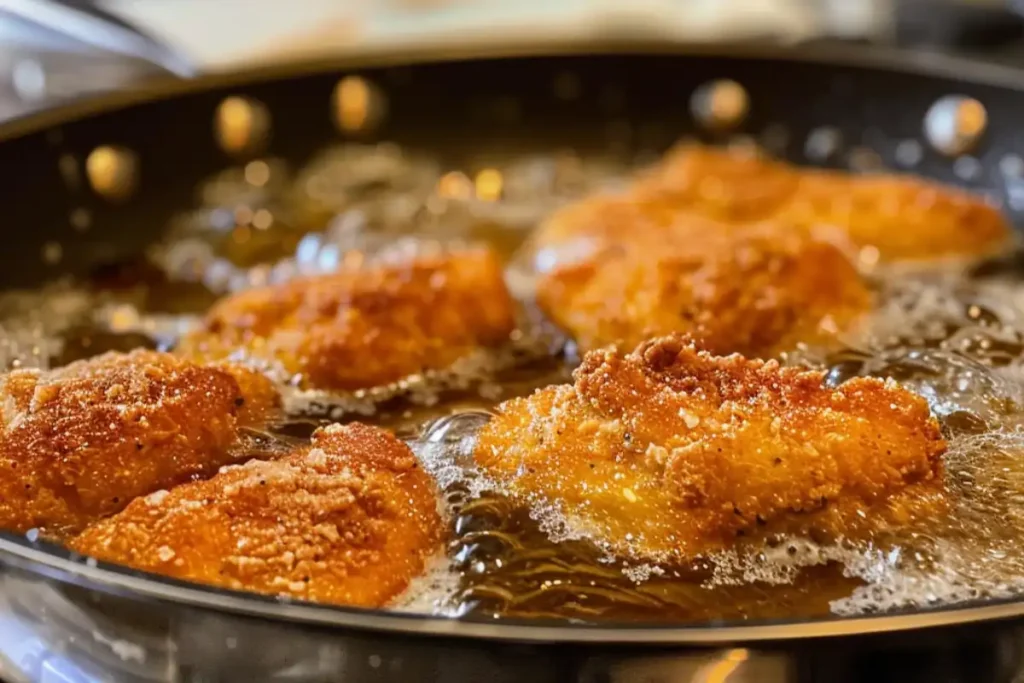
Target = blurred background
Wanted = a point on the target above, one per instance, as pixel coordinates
(51, 50)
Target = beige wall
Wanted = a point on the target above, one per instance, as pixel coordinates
(222, 34)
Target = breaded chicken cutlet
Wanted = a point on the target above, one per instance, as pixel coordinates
(349, 520)
(905, 218)
(82, 441)
(368, 326)
(757, 290)
(668, 452)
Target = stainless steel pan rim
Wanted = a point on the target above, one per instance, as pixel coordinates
(66, 567)
(59, 564)
(881, 58)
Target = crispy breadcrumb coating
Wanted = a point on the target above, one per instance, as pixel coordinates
(757, 290)
(603, 220)
(349, 520)
(366, 326)
(903, 217)
(731, 186)
(734, 250)
(670, 452)
(82, 441)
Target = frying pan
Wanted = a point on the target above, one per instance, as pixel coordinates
(68, 620)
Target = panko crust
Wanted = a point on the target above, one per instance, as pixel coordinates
(349, 520)
(757, 290)
(904, 218)
(80, 442)
(668, 452)
(900, 217)
(728, 185)
(365, 326)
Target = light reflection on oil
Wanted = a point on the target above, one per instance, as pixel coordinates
(489, 184)
(257, 173)
(971, 117)
(720, 105)
(123, 319)
(455, 185)
(262, 219)
(955, 124)
(358, 105)
(112, 172)
(241, 125)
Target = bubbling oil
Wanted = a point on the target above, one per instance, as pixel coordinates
(955, 337)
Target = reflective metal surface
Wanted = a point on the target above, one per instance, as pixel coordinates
(54, 632)
(52, 51)
(65, 619)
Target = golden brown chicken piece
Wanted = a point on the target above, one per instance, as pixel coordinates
(758, 289)
(668, 452)
(82, 441)
(732, 186)
(691, 183)
(349, 520)
(369, 326)
(904, 218)
(606, 219)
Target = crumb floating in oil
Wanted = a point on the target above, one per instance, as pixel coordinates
(956, 339)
